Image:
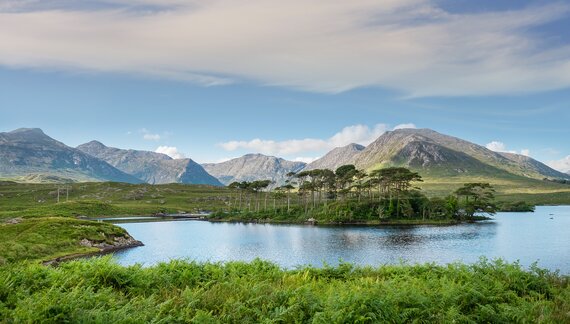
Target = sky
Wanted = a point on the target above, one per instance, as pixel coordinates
(216, 79)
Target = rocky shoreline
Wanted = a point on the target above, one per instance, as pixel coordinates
(119, 243)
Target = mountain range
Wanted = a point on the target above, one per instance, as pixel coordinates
(252, 167)
(30, 155)
(437, 154)
(336, 157)
(151, 167)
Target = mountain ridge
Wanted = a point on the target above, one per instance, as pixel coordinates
(251, 167)
(336, 157)
(428, 150)
(28, 151)
(151, 167)
(30, 154)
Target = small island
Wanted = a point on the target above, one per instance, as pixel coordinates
(349, 196)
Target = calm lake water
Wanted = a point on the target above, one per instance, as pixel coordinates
(543, 236)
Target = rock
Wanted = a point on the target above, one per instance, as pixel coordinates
(119, 242)
(14, 220)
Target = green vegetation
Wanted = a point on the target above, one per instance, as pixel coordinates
(51, 237)
(106, 199)
(356, 200)
(100, 291)
(352, 196)
(112, 199)
(508, 189)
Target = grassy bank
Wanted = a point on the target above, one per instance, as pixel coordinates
(43, 239)
(99, 291)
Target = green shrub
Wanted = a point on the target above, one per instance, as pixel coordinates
(99, 290)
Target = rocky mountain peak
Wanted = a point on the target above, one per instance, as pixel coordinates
(94, 144)
(251, 167)
(336, 157)
(28, 151)
(151, 167)
(37, 131)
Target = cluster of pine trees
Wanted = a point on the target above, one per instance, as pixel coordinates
(349, 194)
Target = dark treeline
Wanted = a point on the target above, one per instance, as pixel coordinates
(561, 181)
(352, 195)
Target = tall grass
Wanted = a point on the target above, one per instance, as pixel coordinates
(100, 291)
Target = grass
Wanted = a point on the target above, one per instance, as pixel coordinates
(106, 199)
(36, 240)
(34, 228)
(112, 199)
(43, 217)
(509, 189)
(100, 291)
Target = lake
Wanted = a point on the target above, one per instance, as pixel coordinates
(542, 236)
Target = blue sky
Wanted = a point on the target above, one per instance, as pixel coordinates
(216, 79)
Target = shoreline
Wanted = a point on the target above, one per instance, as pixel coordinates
(413, 222)
(132, 243)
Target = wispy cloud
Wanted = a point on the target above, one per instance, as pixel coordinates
(361, 134)
(562, 165)
(497, 146)
(170, 151)
(149, 136)
(411, 46)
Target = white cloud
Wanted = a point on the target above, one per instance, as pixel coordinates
(151, 137)
(497, 146)
(525, 152)
(361, 134)
(562, 165)
(412, 46)
(305, 159)
(170, 151)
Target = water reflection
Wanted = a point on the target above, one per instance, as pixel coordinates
(527, 237)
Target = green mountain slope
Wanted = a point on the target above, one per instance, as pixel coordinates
(435, 154)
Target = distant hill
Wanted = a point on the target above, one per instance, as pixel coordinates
(151, 167)
(533, 166)
(253, 167)
(42, 178)
(442, 155)
(336, 158)
(29, 153)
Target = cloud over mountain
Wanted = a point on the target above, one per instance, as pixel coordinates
(170, 151)
(497, 146)
(361, 134)
(562, 165)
